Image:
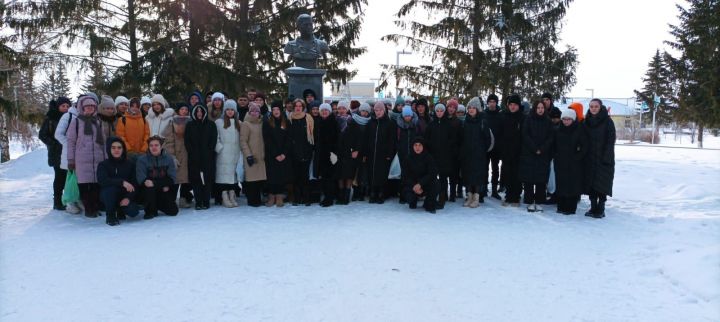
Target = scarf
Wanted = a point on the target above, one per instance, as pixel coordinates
(342, 122)
(308, 121)
(88, 122)
(360, 120)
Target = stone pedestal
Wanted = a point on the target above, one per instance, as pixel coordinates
(300, 79)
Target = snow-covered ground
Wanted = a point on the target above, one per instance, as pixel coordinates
(655, 257)
(669, 139)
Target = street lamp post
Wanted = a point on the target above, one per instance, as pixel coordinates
(592, 92)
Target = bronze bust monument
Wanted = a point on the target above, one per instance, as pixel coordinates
(306, 49)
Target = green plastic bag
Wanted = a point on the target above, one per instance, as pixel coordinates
(71, 193)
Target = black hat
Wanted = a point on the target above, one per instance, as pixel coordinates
(276, 103)
(514, 98)
(422, 101)
(419, 139)
(547, 95)
(309, 92)
(63, 100)
(555, 113)
(492, 97)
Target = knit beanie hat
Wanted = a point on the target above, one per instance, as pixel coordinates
(121, 99)
(343, 104)
(439, 107)
(158, 98)
(63, 100)
(514, 98)
(474, 103)
(461, 108)
(422, 101)
(145, 100)
(218, 96)
(546, 95)
(399, 100)
(569, 113)
(365, 107)
(378, 105)
(492, 97)
(93, 96)
(452, 102)
(554, 113)
(325, 106)
(407, 111)
(106, 101)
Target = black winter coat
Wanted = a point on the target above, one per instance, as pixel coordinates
(419, 168)
(349, 141)
(477, 141)
(568, 153)
(326, 137)
(443, 143)
(277, 142)
(113, 172)
(600, 160)
(494, 120)
(302, 150)
(406, 134)
(380, 140)
(537, 134)
(511, 140)
(200, 140)
(47, 136)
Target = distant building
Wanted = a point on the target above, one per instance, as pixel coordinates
(621, 113)
(361, 91)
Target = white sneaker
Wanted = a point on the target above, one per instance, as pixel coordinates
(538, 208)
(72, 208)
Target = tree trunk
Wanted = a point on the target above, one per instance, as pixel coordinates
(242, 50)
(134, 64)
(701, 129)
(4, 138)
(477, 52)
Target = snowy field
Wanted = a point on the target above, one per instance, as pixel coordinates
(655, 257)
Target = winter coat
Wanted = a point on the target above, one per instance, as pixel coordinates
(494, 120)
(277, 141)
(570, 148)
(200, 139)
(423, 123)
(600, 160)
(477, 141)
(47, 136)
(326, 137)
(159, 169)
(228, 152)
(537, 134)
(108, 125)
(158, 123)
(443, 143)
(251, 141)
(85, 150)
(380, 142)
(302, 128)
(511, 139)
(406, 133)
(113, 172)
(61, 134)
(175, 146)
(419, 168)
(349, 141)
(133, 129)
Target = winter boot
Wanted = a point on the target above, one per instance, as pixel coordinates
(441, 200)
(345, 196)
(271, 200)
(111, 218)
(120, 214)
(474, 200)
(183, 203)
(72, 208)
(495, 191)
(468, 200)
(279, 200)
(481, 198)
(593, 207)
(226, 199)
(232, 198)
(600, 213)
(453, 193)
(538, 208)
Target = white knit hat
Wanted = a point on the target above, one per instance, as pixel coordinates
(326, 106)
(568, 114)
(121, 99)
(344, 103)
(218, 96)
(145, 100)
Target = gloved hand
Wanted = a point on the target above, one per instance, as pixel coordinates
(333, 158)
(250, 160)
(71, 166)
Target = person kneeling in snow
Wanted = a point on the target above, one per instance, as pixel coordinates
(155, 172)
(117, 182)
(420, 177)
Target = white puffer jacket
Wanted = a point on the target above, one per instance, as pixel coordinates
(61, 134)
(228, 153)
(158, 123)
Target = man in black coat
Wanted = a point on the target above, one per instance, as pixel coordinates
(512, 121)
(420, 177)
(116, 178)
(493, 119)
(443, 137)
(600, 160)
(47, 135)
(200, 139)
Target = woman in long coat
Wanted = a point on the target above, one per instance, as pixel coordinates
(253, 149)
(200, 139)
(175, 145)
(302, 129)
(228, 153)
(358, 125)
(278, 148)
(54, 147)
(86, 149)
(600, 160)
(349, 145)
(568, 154)
(512, 121)
(442, 139)
(477, 141)
(379, 151)
(537, 141)
(326, 136)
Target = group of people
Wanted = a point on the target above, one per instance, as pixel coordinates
(141, 153)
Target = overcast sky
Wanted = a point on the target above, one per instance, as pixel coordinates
(615, 40)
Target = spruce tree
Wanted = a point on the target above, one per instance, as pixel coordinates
(483, 46)
(657, 83)
(697, 69)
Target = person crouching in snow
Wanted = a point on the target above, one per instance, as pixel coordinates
(116, 177)
(569, 152)
(155, 172)
(420, 177)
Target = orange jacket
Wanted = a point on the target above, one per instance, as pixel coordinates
(133, 129)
